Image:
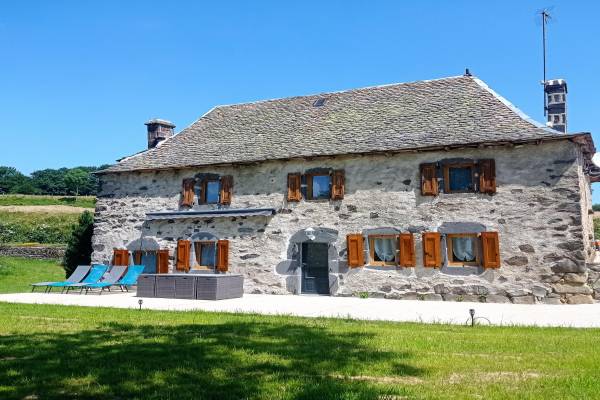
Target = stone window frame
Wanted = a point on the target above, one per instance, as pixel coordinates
(309, 184)
(203, 189)
(198, 265)
(450, 263)
(474, 175)
(372, 261)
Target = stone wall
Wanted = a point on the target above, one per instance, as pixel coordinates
(39, 252)
(537, 211)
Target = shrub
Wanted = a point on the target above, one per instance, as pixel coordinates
(79, 246)
(46, 228)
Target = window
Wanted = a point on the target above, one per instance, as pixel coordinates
(383, 249)
(463, 249)
(319, 187)
(211, 191)
(204, 254)
(459, 178)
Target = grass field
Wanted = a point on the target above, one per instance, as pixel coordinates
(35, 200)
(20, 227)
(16, 274)
(58, 352)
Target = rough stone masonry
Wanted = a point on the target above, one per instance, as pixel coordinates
(540, 211)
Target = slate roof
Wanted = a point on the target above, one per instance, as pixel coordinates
(425, 114)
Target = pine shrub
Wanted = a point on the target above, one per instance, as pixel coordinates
(79, 246)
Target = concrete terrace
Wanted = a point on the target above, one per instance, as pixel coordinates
(580, 316)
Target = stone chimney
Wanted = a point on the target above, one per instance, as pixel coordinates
(159, 130)
(556, 100)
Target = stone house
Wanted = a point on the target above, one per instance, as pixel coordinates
(430, 190)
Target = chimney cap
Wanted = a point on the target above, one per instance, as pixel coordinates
(158, 121)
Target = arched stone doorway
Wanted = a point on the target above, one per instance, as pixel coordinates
(316, 260)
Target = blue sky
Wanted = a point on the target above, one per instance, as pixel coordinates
(79, 78)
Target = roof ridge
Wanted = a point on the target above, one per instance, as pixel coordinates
(343, 91)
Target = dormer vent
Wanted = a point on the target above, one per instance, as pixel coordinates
(320, 102)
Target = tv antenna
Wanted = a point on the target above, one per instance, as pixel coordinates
(545, 18)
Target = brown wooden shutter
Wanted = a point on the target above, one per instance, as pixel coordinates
(338, 183)
(294, 183)
(432, 254)
(487, 176)
(355, 250)
(187, 192)
(406, 245)
(137, 257)
(223, 255)
(490, 249)
(183, 255)
(429, 183)
(162, 261)
(121, 257)
(226, 189)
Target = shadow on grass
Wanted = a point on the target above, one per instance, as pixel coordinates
(232, 360)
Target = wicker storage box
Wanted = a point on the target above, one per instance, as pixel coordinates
(218, 287)
(145, 285)
(165, 286)
(185, 287)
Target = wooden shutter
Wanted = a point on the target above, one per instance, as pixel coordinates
(355, 246)
(137, 257)
(121, 257)
(429, 183)
(432, 254)
(226, 189)
(162, 261)
(487, 176)
(223, 255)
(406, 245)
(338, 183)
(294, 184)
(183, 255)
(490, 249)
(187, 192)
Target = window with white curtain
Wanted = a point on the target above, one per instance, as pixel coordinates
(463, 249)
(383, 249)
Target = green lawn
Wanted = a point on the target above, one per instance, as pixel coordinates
(58, 352)
(16, 274)
(37, 200)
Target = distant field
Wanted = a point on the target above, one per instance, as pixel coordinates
(20, 227)
(32, 200)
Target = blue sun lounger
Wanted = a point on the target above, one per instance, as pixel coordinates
(96, 273)
(129, 279)
(77, 276)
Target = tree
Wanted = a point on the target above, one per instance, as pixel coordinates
(75, 179)
(596, 207)
(79, 246)
(11, 179)
(50, 181)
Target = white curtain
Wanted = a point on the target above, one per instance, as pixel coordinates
(385, 249)
(463, 248)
